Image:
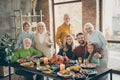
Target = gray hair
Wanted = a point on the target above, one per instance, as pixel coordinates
(28, 40)
(43, 24)
(66, 14)
(88, 25)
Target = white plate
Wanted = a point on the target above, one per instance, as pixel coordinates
(88, 66)
(42, 68)
(90, 72)
(65, 75)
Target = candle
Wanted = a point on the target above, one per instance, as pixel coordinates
(62, 67)
(45, 60)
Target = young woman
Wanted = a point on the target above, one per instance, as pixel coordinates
(68, 46)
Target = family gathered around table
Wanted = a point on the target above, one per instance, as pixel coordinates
(73, 61)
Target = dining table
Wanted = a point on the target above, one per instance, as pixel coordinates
(101, 72)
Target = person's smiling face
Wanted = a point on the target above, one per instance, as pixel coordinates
(26, 27)
(69, 40)
(81, 39)
(40, 28)
(90, 48)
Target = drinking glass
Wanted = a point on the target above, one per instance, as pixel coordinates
(80, 60)
(37, 63)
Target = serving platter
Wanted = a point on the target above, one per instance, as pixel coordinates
(88, 66)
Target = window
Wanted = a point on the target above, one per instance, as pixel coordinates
(111, 29)
(75, 12)
(58, 1)
(71, 7)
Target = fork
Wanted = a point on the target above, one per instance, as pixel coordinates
(73, 77)
(87, 77)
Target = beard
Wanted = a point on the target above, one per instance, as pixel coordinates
(82, 42)
(26, 47)
(67, 22)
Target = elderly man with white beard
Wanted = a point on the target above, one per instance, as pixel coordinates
(24, 52)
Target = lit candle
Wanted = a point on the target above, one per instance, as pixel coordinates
(45, 60)
(62, 67)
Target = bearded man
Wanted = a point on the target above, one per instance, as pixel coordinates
(80, 50)
(24, 52)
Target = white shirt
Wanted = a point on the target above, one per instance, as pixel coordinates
(41, 37)
(96, 37)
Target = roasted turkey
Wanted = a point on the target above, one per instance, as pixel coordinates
(58, 59)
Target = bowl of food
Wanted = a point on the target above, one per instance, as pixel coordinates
(79, 76)
(74, 68)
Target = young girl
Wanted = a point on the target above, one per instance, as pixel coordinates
(94, 56)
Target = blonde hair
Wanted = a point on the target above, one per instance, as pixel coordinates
(88, 25)
(41, 24)
(64, 42)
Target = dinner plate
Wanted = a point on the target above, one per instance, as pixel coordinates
(48, 71)
(88, 66)
(42, 68)
(74, 68)
(27, 64)
(89, 71)
(65, 75)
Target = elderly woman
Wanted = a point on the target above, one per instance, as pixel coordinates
(97, 38)
(42, 41)
(68, 46)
